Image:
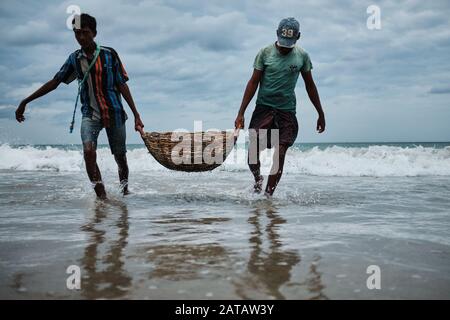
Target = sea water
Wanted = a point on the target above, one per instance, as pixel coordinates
(339, 209)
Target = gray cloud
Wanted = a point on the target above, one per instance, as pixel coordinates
(439, 90)
(190, 60)
(7, 112)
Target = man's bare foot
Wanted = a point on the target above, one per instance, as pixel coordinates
(258, 184)
(124, 187)
(100, 190)
(267, 195)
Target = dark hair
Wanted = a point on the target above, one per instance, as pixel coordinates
(86, 21)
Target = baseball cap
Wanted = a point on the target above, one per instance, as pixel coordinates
(288, 32)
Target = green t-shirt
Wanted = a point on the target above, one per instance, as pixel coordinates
(280, 74)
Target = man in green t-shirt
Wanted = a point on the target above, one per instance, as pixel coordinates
(276, 70)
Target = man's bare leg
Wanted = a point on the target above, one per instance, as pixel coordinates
(255, 169)
(93, 171)
(121, 160)
(274, 178)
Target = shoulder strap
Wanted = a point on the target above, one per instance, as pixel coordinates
(96, 54)
(80, 83)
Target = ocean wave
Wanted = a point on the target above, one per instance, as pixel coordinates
(376, 160)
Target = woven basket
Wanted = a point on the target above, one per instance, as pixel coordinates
(161, 146)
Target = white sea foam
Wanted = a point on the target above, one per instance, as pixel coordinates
(378, 160)
(371, 161)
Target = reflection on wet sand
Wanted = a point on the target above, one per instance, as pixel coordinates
(185, 259)
(190, 255)
(314, 281)
(103, 262)
(269, 267)
(184, 262)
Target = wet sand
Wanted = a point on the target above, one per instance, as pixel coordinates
(172, 241)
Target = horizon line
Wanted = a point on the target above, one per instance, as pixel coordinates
(333, 142)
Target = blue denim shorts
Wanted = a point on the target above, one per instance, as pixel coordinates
(90, 129)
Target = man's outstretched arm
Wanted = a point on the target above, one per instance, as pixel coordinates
(314, 97)
(125, 91)
(43, 90)
(250, 90)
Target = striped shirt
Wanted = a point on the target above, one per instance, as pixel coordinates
(100, 97)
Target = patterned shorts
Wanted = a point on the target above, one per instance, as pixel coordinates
(270, 118)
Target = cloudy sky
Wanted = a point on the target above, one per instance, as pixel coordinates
(190, 60)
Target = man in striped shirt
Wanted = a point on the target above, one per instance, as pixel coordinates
(100, 95)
